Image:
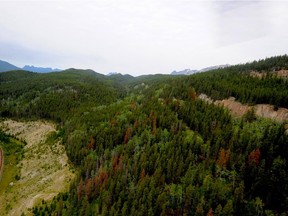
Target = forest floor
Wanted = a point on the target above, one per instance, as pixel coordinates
(44, 169)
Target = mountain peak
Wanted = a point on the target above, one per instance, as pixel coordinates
(113, 73)
(40, 69)
(184, 72)
(6, 66)
(189, 72)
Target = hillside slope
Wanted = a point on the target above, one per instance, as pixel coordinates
(149, 146)
(238, 109)
(237, 81)
(44, 170)
(52, 95)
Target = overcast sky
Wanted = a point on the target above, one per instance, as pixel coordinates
(141, 37)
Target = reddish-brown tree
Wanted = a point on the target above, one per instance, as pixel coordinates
(127, 135)
(254, 157)
(142, 175)
(154, 126)
(91, 143)
(210, 212)
(192, 94)
(88, 188)
(223, 158)
(80, 189)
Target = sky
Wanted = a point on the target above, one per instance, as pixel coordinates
(141, 37)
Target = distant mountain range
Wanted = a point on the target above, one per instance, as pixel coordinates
(6, 66)
(40, 69)
(184, 72)
(189, 72)
(113, 73)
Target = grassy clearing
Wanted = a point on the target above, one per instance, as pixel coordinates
(13, 152)
(43, 170)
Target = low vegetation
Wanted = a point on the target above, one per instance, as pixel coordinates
(13, 153)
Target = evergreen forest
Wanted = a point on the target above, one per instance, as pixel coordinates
(148, 145)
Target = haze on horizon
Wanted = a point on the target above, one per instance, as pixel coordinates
(141, 37)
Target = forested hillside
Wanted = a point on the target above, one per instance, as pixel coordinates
(149, 146)
(236, 81)
(54, 95)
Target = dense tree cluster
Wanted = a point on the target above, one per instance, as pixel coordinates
(54, 95)
(156, 149)
(161, 156)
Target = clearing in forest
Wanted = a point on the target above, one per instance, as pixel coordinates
(44, 169)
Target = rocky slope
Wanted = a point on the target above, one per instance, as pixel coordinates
(238, 109)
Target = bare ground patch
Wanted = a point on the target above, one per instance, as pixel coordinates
(44, 170)
(238, 109)
(280, 73)
(262, 110)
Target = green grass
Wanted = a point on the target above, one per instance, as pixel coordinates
(13, 153)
